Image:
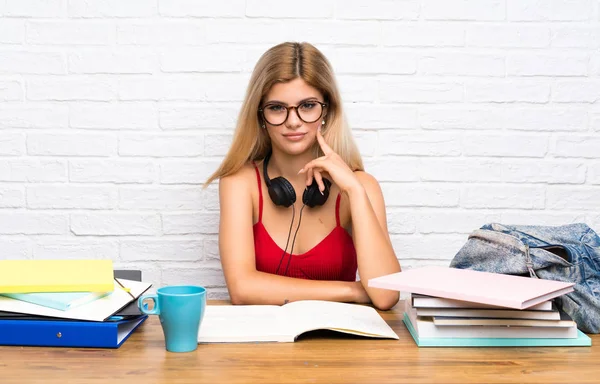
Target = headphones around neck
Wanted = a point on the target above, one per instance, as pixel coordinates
(282, 192)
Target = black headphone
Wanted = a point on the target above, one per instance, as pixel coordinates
(282, 192)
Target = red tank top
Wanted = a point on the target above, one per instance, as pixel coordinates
(334, 258)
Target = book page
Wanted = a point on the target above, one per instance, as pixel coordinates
(242, 323)
(308, 315)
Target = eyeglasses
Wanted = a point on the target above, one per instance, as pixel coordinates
(307, 111)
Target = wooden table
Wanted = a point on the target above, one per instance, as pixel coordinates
(321, 358)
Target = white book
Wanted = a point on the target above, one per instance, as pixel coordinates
(489, 313)
(272, 323)
(449, 321)
(426, 328)
(423, 301)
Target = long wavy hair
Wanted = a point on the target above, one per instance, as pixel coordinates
(283, 63)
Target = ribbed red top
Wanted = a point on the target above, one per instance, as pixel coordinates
(334, 258)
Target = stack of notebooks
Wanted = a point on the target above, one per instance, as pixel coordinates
(68, 303)
(465, 308)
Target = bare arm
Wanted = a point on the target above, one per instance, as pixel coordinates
(246, 285)
(374, 250)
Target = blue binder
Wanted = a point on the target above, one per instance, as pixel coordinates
(68, 333)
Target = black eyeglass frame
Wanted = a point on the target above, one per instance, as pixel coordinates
(295, 107)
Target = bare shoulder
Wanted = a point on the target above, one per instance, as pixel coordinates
(239, 181)
(368, 181)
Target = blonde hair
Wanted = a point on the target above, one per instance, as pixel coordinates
(283, 63)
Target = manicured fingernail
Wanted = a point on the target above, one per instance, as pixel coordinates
(321, 192)
(301, 171)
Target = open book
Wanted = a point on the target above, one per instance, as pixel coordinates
(272, 323)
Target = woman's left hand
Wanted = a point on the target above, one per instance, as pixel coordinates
(332, 164)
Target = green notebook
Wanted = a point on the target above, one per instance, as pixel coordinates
(582, 340)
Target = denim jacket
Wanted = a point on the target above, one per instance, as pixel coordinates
(568, 253)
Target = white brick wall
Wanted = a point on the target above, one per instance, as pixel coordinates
(112, 113)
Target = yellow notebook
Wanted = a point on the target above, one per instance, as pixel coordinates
(25, 276)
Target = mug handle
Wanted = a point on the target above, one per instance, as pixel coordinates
(144, 308)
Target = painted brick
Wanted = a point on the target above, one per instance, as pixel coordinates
(505, 196)
(356, 89)
(594, 173)
(576, 37)
(71, 32)
(198, 116)
(161, 33)
(22, 62)
(12, 31)
(408, 91)
(160, 198)
(71, 197)
(119, 116)
(508, 36)
(116, 224)
(108, 61)
(190, 223)
(34, 116)
(33, 223)
(72, 88)
(576, 146)
(208, 278)
(377, 9)
(112, 8)
(11, 90)
(393, 168)
(428, 247)
(569, 198)
(71, 144)
(438, 221)
(523, 119)
(34, 8)
(552, 172)
(12, 196)
(507, 92)
(112, 171)
(460, 170)
(549, 10)
(33, 170)
(187, 171)
(381, 116)
(481, 10)
(217, 144)
(459, 64)
(505, 145)
(420, 195)
(310, 9)
(541, 218)
(361, 61)
(530, 64)
(202, 8)
(15, 249)
(74, 248)
(427, 144)
(161, 145)
(12, 144)
(401, 221)
(158, 250)
(430, 34)
(576, 91)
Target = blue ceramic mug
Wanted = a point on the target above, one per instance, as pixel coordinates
(180, 309)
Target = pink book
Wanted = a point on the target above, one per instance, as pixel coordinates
(478, 287)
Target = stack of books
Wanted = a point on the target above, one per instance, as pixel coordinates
(462, 308)
(68, 303)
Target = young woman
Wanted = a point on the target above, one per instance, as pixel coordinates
(292, 140)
